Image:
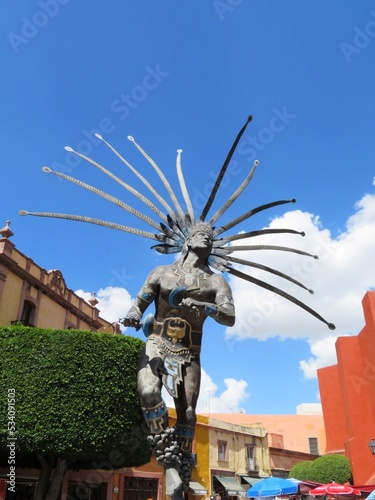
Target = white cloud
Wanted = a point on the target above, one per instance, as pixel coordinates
(114, 302)
(340, 278)
(210, 402)
(323, 354)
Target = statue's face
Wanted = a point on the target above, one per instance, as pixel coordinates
(201, 241)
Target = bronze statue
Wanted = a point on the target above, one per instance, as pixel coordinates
(184, 293)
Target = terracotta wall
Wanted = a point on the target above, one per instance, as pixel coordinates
(347, 392)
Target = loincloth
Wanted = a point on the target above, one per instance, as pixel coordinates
(177, 344)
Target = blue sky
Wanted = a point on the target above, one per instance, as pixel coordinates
(186, 75)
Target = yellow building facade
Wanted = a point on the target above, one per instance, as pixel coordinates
(238, 457)
(39, 297)
(290, 439)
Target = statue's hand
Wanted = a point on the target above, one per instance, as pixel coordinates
(193, 305)
(131, 321)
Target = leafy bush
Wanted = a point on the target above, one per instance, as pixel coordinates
(301, 471)
(75, 396)
(330, 468)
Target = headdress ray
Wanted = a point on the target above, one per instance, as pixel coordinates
(223, 170)
(91, 220)
(176, 225)
(260, 232)
(250, 213)
(283, 294)
(184, 190)
(104, 195)
(262, 267)
(140, 176)
(240, 248)
(136, 193)
(161, 175)
(235, 195)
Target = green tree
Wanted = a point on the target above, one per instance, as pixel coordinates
(330, 468)
(325, 469)
(301, 471)
(75, 400)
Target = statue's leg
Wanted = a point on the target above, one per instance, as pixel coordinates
(162, 439)
(156, 417)
(186, 419)
(163, 443)
(185, 436)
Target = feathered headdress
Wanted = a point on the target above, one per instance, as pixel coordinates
(177, 224)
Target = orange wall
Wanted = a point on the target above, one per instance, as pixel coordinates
(294, 429)
(348, 397)
(333, 409)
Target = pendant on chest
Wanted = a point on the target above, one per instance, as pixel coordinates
(190, 281)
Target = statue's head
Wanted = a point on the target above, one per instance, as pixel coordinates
(202, 227)
(199, 240)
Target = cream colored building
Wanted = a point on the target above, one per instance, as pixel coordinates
(290, 438)
(39, 297)
(238, 457)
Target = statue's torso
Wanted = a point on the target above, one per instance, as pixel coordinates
(198, 285)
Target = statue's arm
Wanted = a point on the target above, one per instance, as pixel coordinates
(225, 307)
(145, 297)
(222, 310)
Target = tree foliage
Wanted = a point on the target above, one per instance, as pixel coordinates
(75, 396)
(301, 471)
(330, 468)
(325, 469)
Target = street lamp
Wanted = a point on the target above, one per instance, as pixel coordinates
(371, 445)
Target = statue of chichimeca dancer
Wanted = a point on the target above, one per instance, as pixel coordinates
(184, 293)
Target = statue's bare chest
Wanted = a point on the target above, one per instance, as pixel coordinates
(197, 283)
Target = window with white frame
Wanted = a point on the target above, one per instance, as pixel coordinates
(313, 446)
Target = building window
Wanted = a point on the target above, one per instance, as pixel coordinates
(140, 487)
(222, 451)
(250, 451)
(250, 457)
(28, 313)
(313, 446)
